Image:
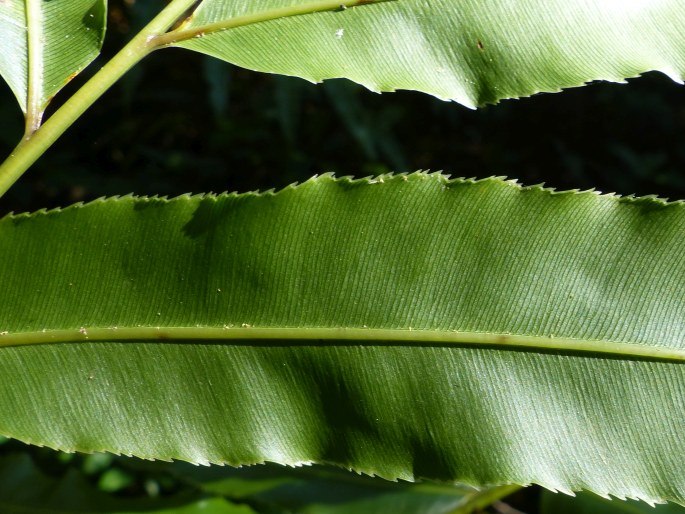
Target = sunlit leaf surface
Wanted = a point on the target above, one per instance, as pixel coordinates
(68, 36)
(471, 51)
(405, 326)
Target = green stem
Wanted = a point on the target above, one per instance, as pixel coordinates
(484, 498)
(36, 143)
(180, 34)
(153, 36)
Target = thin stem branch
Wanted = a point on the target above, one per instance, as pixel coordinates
(152, 37)
(176, 36)
(503, 508)
(34, 144)
(484, 498)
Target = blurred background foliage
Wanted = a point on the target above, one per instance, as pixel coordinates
(181, 122)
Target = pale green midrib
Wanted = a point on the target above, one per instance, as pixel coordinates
(34, 32)
(361, 336)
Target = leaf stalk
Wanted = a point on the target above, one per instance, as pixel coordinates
(39, 138)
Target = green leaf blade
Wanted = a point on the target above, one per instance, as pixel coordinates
(471, 52)
(414, 254)
(68, 36)
(13, 62)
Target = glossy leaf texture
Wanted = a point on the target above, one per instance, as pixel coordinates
(68, 36)
(405, 326)
(470, 51)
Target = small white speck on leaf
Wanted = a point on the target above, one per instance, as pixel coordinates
(339, 33)
(83, 331)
